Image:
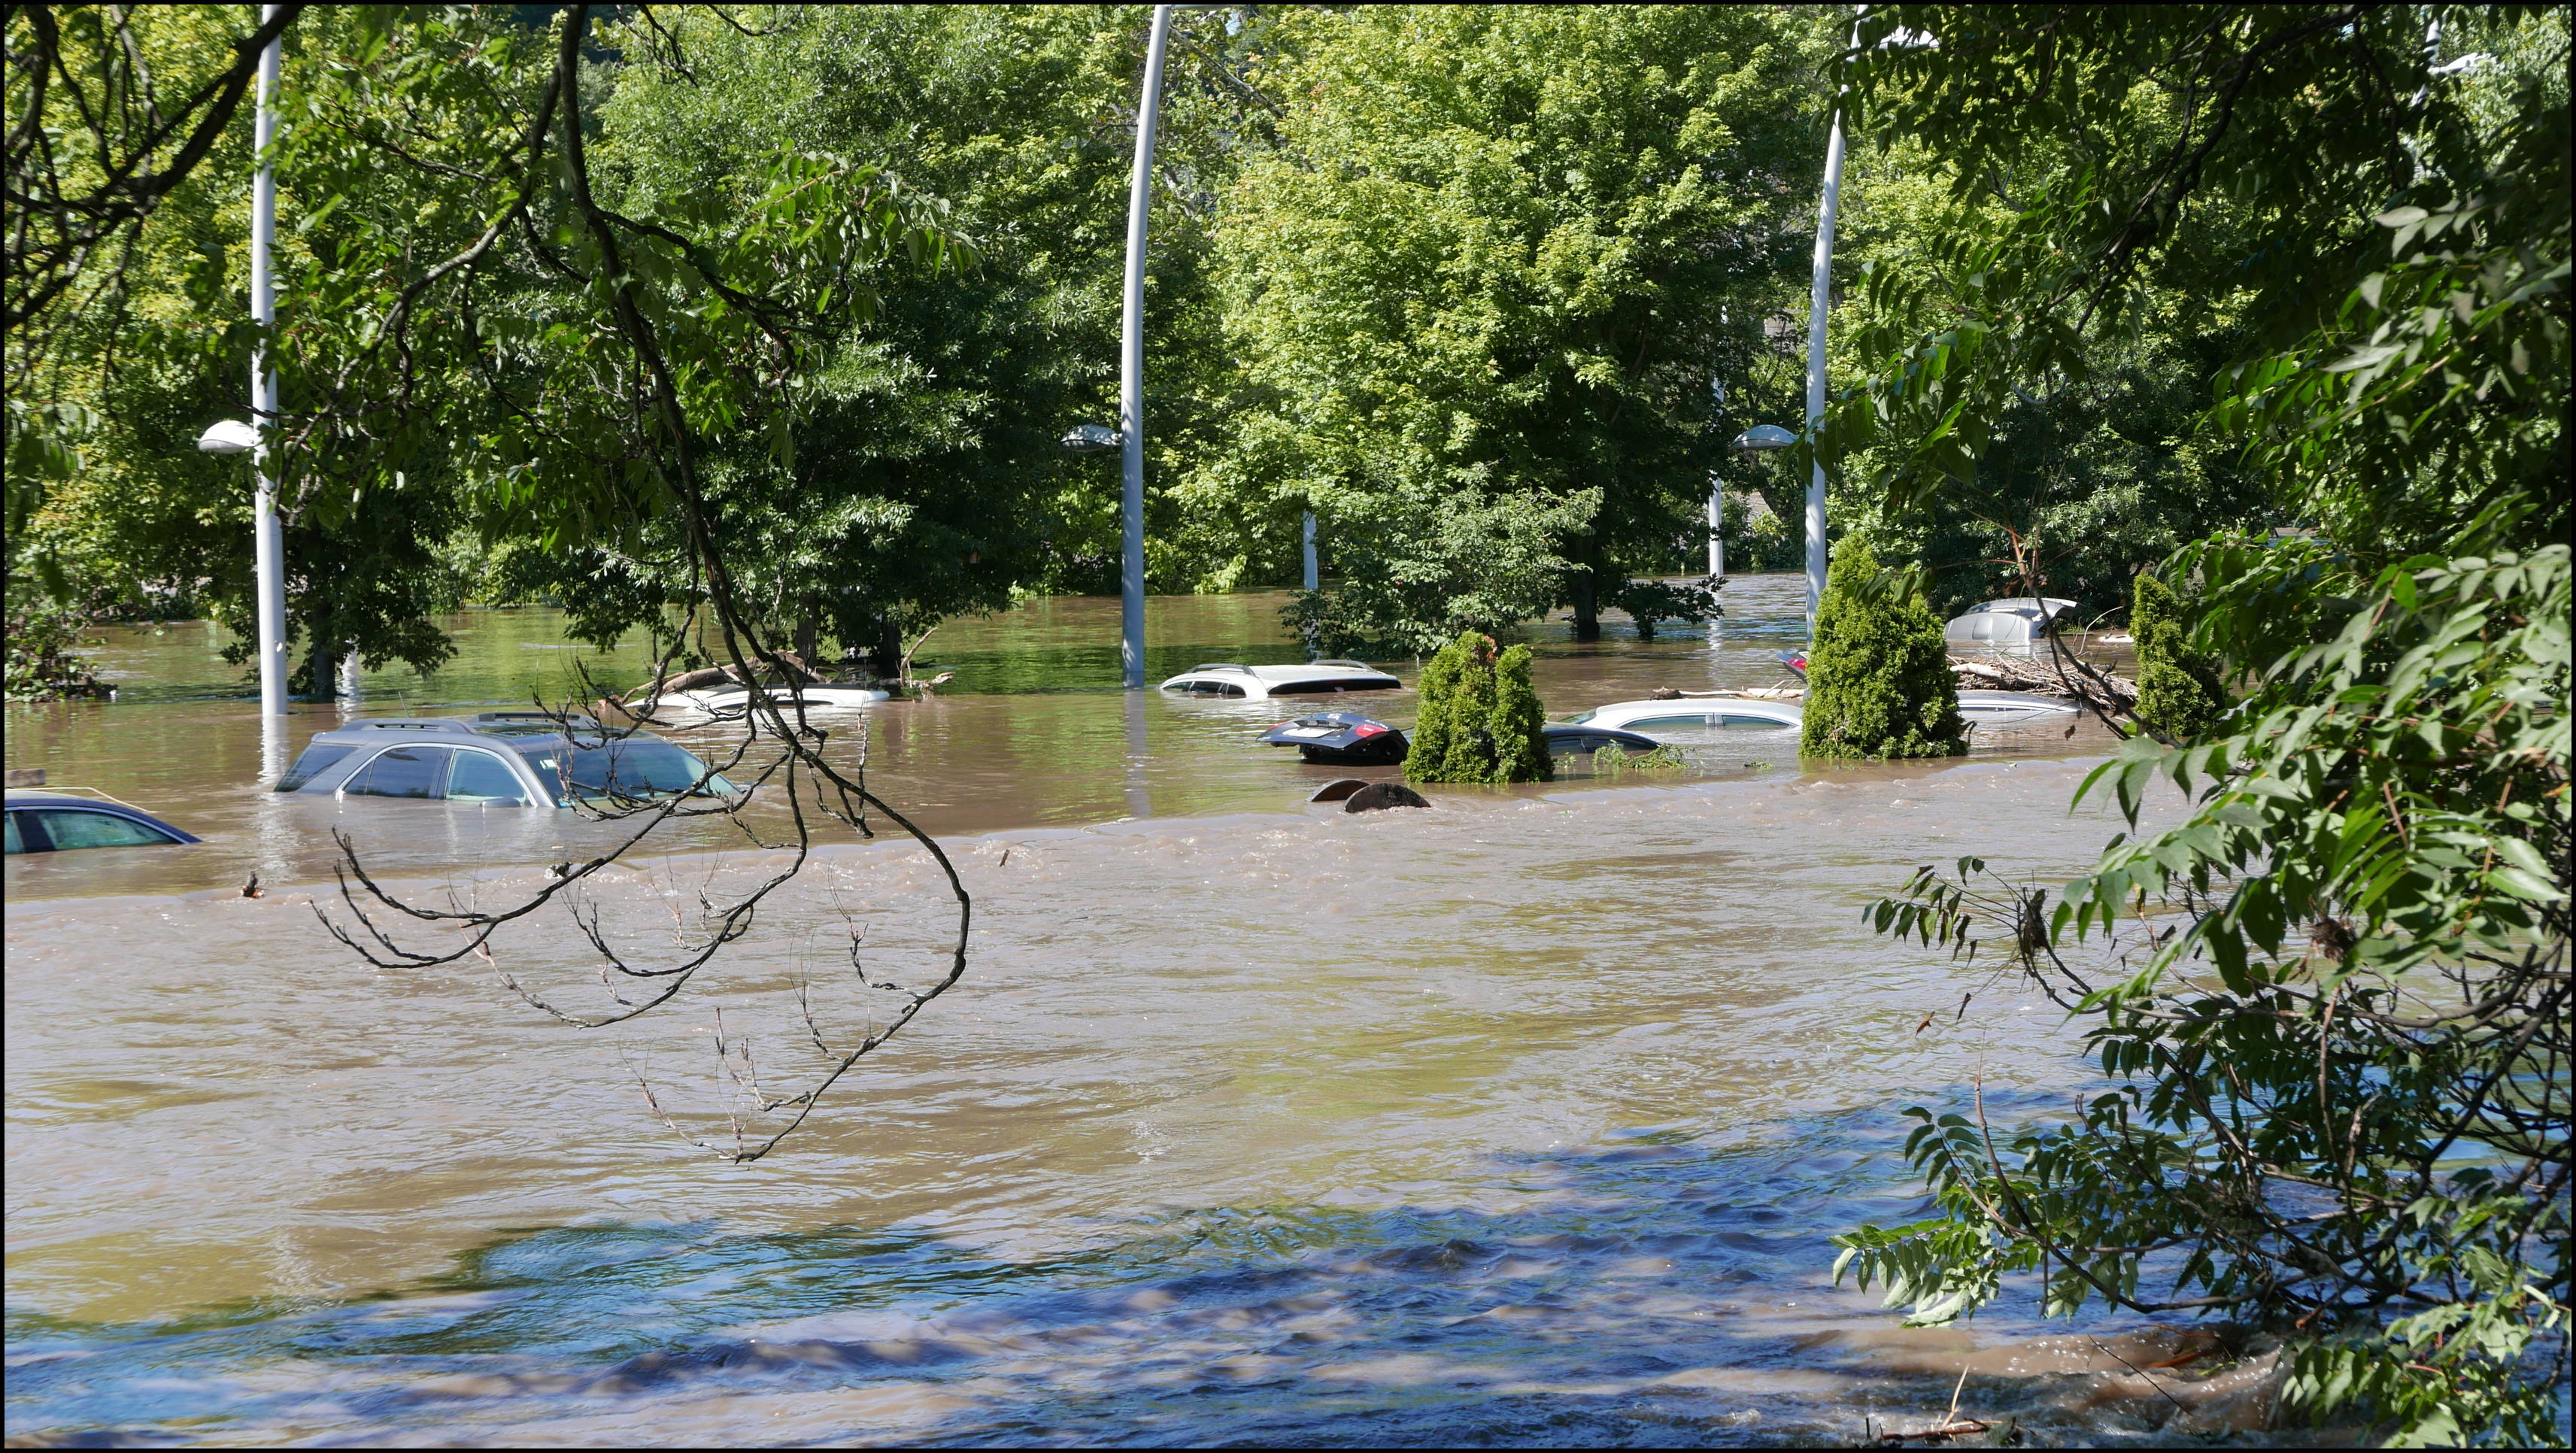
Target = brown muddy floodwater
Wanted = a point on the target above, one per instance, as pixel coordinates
(1522, 1119)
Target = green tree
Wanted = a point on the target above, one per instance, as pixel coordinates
(1520, 744)
(2179, 693)
(1480, 717)
(925, 477)
(1878, 680)
(1483, 287)
(138, 521)
(2331, 1000)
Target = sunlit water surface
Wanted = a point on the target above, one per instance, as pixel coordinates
(1522, 1119)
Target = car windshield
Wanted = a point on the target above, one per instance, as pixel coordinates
(316, 759)
(632, 767)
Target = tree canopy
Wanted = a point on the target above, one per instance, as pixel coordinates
(2330, 1002)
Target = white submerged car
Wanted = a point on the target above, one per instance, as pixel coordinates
(2014, 708)
(818, 696)
(2008, 625)
(1694, 718)
(1228, 681)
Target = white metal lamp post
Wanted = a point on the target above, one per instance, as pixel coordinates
(232, 436)
(1131, 368)
(1820, 297)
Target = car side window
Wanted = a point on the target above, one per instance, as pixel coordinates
(17, 843)
(73, 828)
(1691, 723)
(481, 777)
(1750, 724)
(402, 772)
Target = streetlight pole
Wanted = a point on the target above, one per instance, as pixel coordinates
(1131, 368)
(1820, 297)
(269, 542)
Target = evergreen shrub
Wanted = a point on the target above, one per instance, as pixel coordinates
(1520, 747)
(1480, 717)
(2179, 693)
(1878, 679)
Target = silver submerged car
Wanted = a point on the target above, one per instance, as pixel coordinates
(1328, 677)
(496, 759)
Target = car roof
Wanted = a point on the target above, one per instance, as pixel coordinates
(56, 802)
(481, 724)
(2023, 605)
(1593, 729)
(1298, 671)
(1785, 711)
(2031, 699)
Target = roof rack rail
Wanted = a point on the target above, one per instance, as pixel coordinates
(403, 724)
(574, 719)
(1219, 666)
(1341, 661)
(93, 791)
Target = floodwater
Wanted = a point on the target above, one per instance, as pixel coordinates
(1521, 1119)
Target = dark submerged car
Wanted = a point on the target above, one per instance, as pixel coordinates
(48, 823)
(497, 759)
(1348, 738)
(1340, 737)
(1582, 741)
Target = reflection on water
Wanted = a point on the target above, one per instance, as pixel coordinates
(1521, 1118)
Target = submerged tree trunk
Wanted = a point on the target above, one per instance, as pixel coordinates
(887, 659)
(1587, 605)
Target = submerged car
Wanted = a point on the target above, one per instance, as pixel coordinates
(497, 759)
(1315, 678)
(1348, 738)
(1340, 737)
(1660, 720)
(730, 699)
(2013, 708)
(1565, 740)
(2007, 624)
(51, 822)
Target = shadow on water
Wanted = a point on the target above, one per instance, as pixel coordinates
(1655, 1291)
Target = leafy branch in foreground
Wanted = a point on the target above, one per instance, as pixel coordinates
(588, 354)
(2335, 1005)
(2331, 1001)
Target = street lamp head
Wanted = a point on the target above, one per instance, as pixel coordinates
(1763, 438)
(1092, 438)
(228, 436)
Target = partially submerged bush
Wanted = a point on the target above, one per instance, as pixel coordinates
(1480, 717)
(1878, 680)
(1617, 762)
(42, 666)
(2179, 694)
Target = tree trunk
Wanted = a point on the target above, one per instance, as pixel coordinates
(887, 659)
(807, 627)
(1587, 606)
